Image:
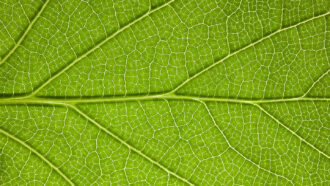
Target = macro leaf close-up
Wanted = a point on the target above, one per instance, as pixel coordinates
(164, 92)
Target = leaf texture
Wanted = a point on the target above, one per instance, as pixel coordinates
(156, 92)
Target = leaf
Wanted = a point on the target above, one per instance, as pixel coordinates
(164, 92)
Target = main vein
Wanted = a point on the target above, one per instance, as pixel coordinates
(18, 43)
(38, 154)
(61, 101)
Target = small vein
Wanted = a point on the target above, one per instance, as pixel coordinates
(38, 154)
(18, 43)
(234, 149)
(128, 145)
(243, 49)
(315, 82)
(97, 47)
(292, 132)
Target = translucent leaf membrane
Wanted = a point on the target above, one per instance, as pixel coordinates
(158, 92)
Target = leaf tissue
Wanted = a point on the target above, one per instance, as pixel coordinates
(164, 92)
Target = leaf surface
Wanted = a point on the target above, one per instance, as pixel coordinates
(164, 92)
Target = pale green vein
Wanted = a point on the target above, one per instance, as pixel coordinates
(244, 48)
(128, 145)
(59, 101)
(239, 153)
(97, 47)
(38, 154)
(291, 131)
(18, 43)
(315, 82)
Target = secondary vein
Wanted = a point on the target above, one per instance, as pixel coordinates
(128, 145)
(292, 132)
(97, 47)
(244, 48)
(235, 150)
(315, 82)
(38, 154)
(25, 33)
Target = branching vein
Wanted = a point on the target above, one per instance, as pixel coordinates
(128, 145)
(243, 49)
(98, 46)
(315, 82)
(18, 43)
(38, 154)
(235, 150)
(291, 131)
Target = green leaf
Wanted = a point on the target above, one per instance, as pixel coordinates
(156, 92)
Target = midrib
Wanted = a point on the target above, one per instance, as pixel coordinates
(167, 96)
